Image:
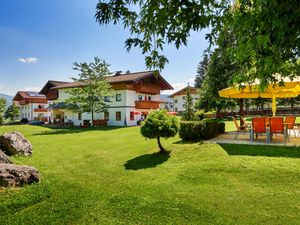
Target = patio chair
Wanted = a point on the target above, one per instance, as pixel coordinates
(277, 127)
(246, 125)
(240, 129)
(258, 127)
(290, 124)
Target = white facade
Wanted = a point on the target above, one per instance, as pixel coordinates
(179, 102)
(34, 111)
(122, 109)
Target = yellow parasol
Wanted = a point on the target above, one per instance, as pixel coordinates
(290, 89)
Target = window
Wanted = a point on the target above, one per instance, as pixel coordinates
(183, 106)
(79, 116)
(118, 116)
(176, 110)
(149, 98)
(131, 115)
(118, 97)
(183, 97)
(106, 98)
(140, 97)
(106, 115)
(175, 100)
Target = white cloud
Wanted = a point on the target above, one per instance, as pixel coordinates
(28, 60)
(178, 86)
(37, 89)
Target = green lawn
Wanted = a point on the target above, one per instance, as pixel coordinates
(114, 176)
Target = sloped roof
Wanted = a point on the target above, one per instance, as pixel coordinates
(28, 95)
(50, 84)
(183, 91)
(128, 77)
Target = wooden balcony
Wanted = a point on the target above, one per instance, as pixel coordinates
(147, 88)
(39, 110)
(146, 104)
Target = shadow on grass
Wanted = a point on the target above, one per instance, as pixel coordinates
(73, 130)
(261, 150)
(187, 142)
(147, 161)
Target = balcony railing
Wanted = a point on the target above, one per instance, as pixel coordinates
(39, 110)
(146, 104)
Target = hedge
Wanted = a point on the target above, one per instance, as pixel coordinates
(200, 130)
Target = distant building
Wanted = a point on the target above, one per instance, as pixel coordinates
(33, 106)
(166, 103)
(179, 98)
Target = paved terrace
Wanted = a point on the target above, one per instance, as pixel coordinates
(277, 140)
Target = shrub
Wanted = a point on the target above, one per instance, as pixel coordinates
(160, 124)
(200, 130)
(24, 121)
(199, 115)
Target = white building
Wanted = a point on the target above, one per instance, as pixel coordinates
(179, 98)
(136, 94)
(33, 106)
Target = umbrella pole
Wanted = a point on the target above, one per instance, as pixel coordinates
(274, 105)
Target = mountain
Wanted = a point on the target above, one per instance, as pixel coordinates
(7, 97)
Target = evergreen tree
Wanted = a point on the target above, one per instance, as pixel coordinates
(188, 105)
(201, 71)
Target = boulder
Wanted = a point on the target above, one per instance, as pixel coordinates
(15, 143)
(4, 158)
(14, 176)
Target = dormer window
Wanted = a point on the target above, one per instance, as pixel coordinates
(140, 97)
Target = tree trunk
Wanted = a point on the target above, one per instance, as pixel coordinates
(92, 111)
(241, 102)
(292, 103)
(161, 148)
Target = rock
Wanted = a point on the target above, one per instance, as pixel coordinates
(15, 143)
(4, 158)
(14, 176)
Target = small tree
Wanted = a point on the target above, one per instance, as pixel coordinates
(2, 108)
(188, 105)
(160, 124)
(91, 96)
(12, 112)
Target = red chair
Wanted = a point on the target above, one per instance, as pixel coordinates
(277, 127)
(258, 127)
(290, 123)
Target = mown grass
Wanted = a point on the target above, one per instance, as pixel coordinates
(114, 176)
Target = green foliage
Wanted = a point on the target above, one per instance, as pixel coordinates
(200, 130)
(2, 108)
(267, 31)
(155, 23)
(199, 115)
(202, 70)
(12, 112)
(160, 124)
(188, 106)
(219, 73)
(90, 96)
(267, 39)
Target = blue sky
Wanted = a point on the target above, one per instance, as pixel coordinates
(40, 40)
